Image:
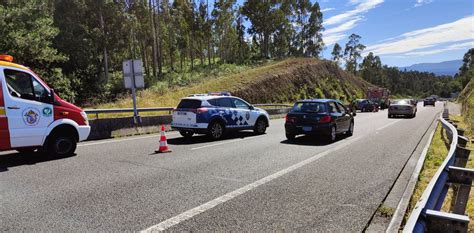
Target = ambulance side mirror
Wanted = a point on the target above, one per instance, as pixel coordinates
(51, 96)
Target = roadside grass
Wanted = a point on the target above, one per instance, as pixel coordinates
(434, 158)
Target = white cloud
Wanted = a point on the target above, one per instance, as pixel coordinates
(327, 9)
(422, 2)
(454, 32)
(459, 46)
(362, 7)
(337, 25)
(343, 27)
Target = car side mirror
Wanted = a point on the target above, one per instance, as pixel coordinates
(251, 107)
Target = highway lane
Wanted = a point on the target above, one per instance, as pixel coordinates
(118, 185)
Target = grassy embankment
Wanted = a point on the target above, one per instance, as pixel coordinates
(438, 151)
(273, 82)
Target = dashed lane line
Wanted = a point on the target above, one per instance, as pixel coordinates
(231, 195)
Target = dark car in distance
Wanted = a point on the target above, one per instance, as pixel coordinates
(322, 117)
(429, 101)
(365, 105)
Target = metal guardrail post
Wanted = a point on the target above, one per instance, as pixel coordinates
(440, 222)
(462, 141)
(462, 177)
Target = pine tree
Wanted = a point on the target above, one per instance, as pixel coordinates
(353, 52)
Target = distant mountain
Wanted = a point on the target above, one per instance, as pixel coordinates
(440, 68)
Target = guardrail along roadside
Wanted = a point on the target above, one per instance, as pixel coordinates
(102, 128)
(427, 215)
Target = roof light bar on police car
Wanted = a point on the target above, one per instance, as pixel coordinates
(222, 93)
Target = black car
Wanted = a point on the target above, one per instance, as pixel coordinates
(323, 117)
(365, 105)
(429, 101)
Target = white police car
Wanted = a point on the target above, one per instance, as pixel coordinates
(217, 113)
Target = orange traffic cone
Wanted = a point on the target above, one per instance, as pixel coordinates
(163, 147)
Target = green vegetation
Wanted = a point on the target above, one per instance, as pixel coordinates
(278, 82)
(408, 83)
(434, 158)
(78, 45)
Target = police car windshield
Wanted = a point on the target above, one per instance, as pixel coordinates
(189, 103)
(312, 107)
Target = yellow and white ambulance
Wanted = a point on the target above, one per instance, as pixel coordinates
(33, 117)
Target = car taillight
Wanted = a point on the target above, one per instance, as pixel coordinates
(325, 119)
(202, 110)
(289, 119)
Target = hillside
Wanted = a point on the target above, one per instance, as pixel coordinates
(466, 98)
(439, 68)
(277, 82)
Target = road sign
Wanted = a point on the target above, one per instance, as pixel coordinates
(133, 74)
(133, 79)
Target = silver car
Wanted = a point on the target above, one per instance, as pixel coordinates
(401, 108)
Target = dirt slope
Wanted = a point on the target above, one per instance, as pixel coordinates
(278, 82)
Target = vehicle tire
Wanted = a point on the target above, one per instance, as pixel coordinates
(332, 134)
(290, 136)
(260, 126)
(414, 115)
(363, 109)
(350, 131)
(390, 116)
(61, 145)
(186, 134)
(26, 151)
(216, 130)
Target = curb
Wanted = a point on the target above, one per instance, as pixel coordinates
(402, 206)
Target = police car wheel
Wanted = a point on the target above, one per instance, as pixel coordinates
(290, 136)
(260, 126)
(186, 134)
(61, 145)
(216, 130)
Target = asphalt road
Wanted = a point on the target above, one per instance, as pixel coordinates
(244, 182)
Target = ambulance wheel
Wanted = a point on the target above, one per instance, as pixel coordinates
(216, 130)
(186, 134)
(61, 145)
(260, 126)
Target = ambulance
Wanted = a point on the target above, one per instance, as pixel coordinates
(33, 117)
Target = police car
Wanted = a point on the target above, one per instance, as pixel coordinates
(215, 114)
(33, 117)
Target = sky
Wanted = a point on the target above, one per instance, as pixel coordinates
(401, 32)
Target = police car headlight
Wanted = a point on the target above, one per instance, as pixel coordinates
(84, 116)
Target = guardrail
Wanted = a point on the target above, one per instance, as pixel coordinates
(426, 216)
(163, 109)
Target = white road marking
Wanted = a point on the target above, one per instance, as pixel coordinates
(231, 195)
(126, 139)
(387, 125)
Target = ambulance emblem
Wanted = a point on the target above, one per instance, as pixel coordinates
(31, 116)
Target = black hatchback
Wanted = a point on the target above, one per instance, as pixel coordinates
(323, 117)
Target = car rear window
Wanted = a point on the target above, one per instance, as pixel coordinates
(401, 102)
(312, 107)
(187, 103)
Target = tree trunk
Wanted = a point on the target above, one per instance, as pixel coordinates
(106, 57)
(154, 46)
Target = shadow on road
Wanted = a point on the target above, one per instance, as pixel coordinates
(308, 140)
(17, 159)
(200, 138)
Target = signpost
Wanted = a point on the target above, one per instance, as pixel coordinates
(133, 79)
